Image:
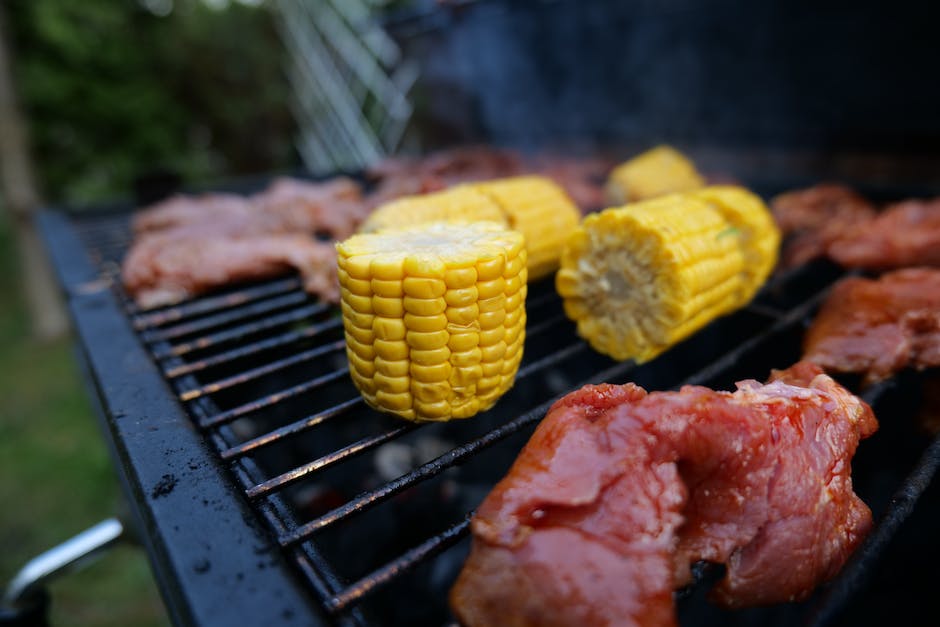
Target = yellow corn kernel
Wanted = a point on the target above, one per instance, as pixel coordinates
(387, 289)
(541, 210)
(391, 367)
(464, 316)
(639, 278)
(425, 324)
(365, 336)
(385, 329)
(432, 338)
(462, 297)
(460, 278)
(458, 204)
(461, 342)
(661, 170)
(428, 340)
(392, 384)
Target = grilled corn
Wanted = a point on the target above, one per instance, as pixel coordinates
(662, 170)
(434, 316)
(541, 211)
(639, 278)
(532, 205)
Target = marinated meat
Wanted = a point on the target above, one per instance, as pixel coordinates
(456, 165)
(330, 209)
(583, 178)
(619, 491)
(188, 245)
(333, 208)
(876, 327)
(903, 235)
(168, 267)
(812, 218)
(406, 176)
(182, 209)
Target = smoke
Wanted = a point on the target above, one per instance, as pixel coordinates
(530, 74)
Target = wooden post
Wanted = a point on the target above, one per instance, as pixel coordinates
(20, 196)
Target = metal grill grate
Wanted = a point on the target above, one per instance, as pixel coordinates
(261, 371)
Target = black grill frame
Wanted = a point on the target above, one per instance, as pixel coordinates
(240, 562)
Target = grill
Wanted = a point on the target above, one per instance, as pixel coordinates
(268, 493)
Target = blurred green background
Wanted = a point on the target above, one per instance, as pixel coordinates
(111, 90)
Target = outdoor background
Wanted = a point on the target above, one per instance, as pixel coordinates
(112, 90)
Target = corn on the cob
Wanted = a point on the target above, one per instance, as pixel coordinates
(642, 277)
(434, 316)
(540, 210)
(662, 170)
(462, 203)
(533, 205)
(757, 232)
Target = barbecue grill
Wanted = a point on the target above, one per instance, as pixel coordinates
(266, 492)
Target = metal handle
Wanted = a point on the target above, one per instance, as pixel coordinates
(25, 591)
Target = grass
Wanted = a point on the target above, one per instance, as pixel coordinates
(56, 477)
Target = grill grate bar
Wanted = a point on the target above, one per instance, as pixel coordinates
(248, 329)
(226, 318)
(370, 442)
(861, 565)
(293, 428)
(272, 399)
(214, 303)
(538, 301)
(242, 351)
(356, 448)
(872, 394)
(545, 325)
(728, 359)
(426, 471)
(408, 560)
(764, 310)
(550, 360)
(254, 373)
(274, 511)
(427, 549)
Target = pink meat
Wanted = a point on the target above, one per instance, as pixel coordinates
(619, 491)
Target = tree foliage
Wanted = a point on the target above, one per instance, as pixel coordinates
(113, 92)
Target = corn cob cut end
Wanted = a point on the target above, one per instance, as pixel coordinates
(458, 204)
(434, 317)
(637, 279)
(661, 170)
(541, 210)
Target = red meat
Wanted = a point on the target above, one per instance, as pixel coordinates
(905, 234)
(877, 327)
(812, 218)
(618, 491)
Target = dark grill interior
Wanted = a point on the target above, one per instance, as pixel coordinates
(373, 511)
